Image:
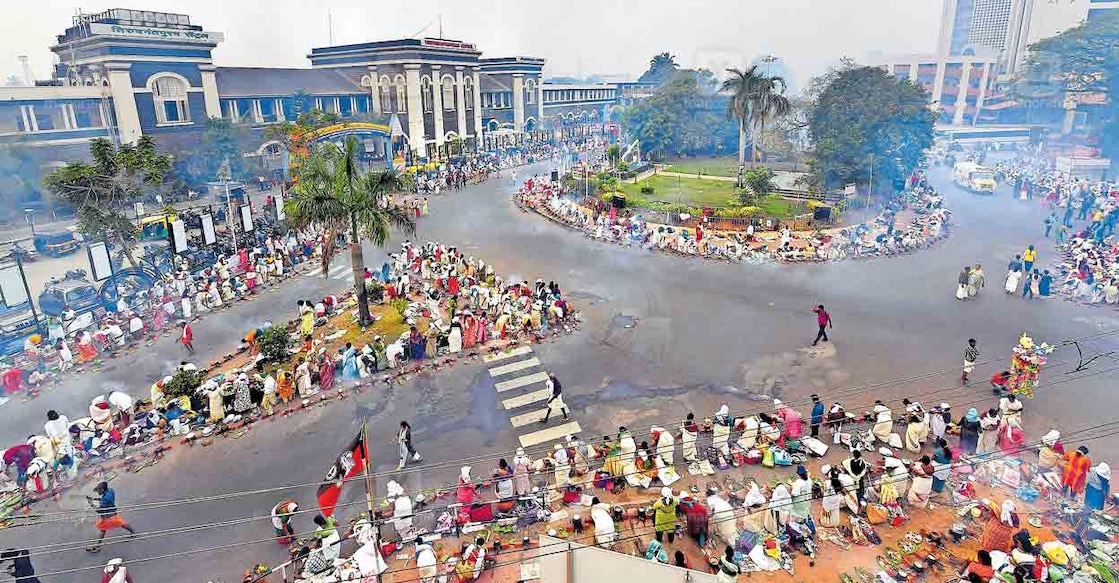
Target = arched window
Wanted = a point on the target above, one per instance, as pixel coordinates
(384, 93)
(468, 93)
(425, 94)
(530, 91)
(401, 99)
(448, 86)
(170, 95)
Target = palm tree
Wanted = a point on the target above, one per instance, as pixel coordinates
(754, 98)
(661, 68)
(103, 190)
(334, 193)
(665, 60)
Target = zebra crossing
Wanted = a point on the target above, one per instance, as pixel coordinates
(521, 381)
(338, 271)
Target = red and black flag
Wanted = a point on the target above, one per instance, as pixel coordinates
(347, 465)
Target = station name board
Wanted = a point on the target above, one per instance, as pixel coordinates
(99, 28)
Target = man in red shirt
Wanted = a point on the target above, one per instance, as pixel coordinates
(823, 319)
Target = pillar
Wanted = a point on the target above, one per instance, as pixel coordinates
(938, 86)
(415, 108)
(540, 102)
(374, 93)
(124, 103)
(961, 95)
(477, 107)
(437, 103)
(982, 91)
(518, 102)
(210, 90)
(460, 106)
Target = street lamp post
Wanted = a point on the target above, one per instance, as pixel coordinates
(30, 214)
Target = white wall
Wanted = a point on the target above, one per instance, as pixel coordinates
(1051, 17)
(594, 565)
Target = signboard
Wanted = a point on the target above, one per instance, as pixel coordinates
(178, 236)
(246, 218)
(208, 234)
(279, 199)
(849, 189)
(149, 32)
(12, 291)
(139, 209)
(99, 261)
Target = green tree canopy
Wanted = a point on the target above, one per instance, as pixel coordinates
(335, 193)
(222, 140)
(661, 69)
(103, 190)
(679, 118)
(1079, 61)
(863, 118)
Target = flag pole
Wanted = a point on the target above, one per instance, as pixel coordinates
(369, 488)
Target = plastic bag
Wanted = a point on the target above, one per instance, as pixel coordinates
(877, 514)
(767, 458)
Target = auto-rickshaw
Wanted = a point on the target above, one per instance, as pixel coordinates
(156, 227)
(56, 244)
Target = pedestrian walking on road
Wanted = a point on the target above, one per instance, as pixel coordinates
(555, 403)
(1029, 256)
(1049, 222)
(107, 517)
(1013, 275)
(971, 354)
(823, 320)
(976, 280)
(116, 572)
(188, 337)
(817, 415)
(962, 281)
(404, 439)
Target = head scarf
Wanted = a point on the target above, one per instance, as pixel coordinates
(1051, 438)
(972, 415)
(1103, 470)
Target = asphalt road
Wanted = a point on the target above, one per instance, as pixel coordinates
(661, 336)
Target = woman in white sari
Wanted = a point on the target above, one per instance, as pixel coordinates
(689, 433)
(921, 490)
(832, 501)
(988, 432)
(779, 504)
(750, 430)
(915, 433)
(883, 422)
(721, 430)
(1013, 278)
(665, 444)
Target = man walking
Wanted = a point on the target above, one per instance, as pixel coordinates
(404, 438)
(188, 337)
(1049, 222)
(817, 415)
(823, 319)
(107, 517)
(971, 354)
(555, 403)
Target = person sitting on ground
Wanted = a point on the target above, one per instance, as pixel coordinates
(981, 568)
(1000, 382)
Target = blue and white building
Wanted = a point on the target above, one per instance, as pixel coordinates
(124, 73)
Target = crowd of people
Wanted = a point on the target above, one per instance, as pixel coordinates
(926, 222)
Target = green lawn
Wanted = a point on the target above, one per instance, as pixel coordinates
(697, 192)
(721, 166)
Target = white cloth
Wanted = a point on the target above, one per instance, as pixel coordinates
(604, 530)
(723, 517)
(688, 441)
(666, 445)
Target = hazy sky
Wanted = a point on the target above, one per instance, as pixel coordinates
(575, 36)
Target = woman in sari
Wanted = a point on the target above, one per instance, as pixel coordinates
(791, 422)
(465, 492)
(326, 372)
(285, 388)
(832, 501)
(1098, 486)
(942, 468)
(922, 475)
(689, 431)
(522, 485)
(580, 456)
(646, 464)
(416, 343)
(969, 432)
(1052, 451)
(86, 351)
(303, 377)
(306, 320)
(914, 432)
(1011, 437)
(779, 504)
(883, 422)
(469, 337)
(721, 429)
(988, 432)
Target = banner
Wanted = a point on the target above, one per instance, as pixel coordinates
(349, 464)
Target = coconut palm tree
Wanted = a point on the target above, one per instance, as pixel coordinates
(334, 193)
(754, 98)
(661, 68)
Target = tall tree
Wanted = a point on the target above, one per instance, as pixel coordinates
(679, 118)
(221, 140)
(754, 98)
(103, 190)
(1076, 63)
(661, 68)
(863, 121)
(334, 193)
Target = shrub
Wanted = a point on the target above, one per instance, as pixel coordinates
(647, 189)
(274, 344)
(400, 305)
(374, 290)
(738, 212)
(183, 383)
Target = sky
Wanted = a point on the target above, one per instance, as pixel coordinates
(577, 37)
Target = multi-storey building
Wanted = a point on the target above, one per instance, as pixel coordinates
(126, 73)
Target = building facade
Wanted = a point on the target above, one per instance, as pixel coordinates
(958, 87)
(125, 73)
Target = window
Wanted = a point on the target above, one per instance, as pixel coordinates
(11, 119)
(268, 110)
(345, 106)
(530, 91)
(468, 94)
(425, 94)
(87, 114)
(50, 117)
(362, 102)
(170, 95)
(401, 99)
(448, 94)
(289, 108)
(244, 110)
(386, 98)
